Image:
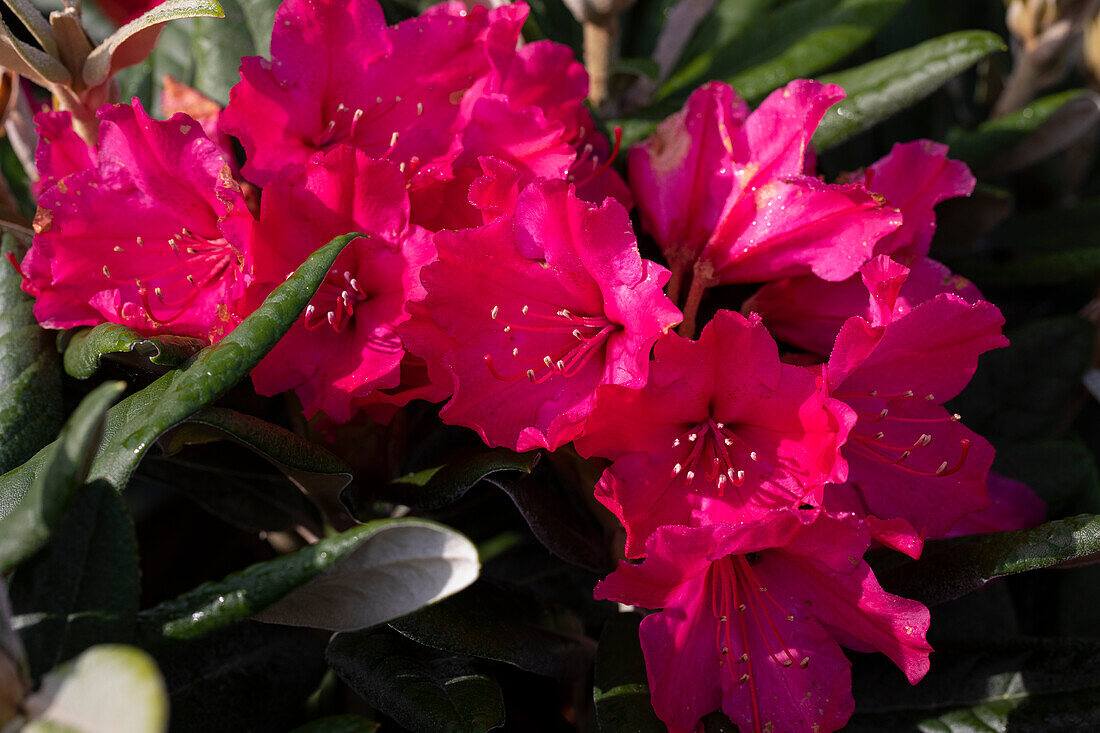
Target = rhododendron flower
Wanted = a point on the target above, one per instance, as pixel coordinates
(724, 194)
(172, 255)
(338, 74)
(914, 177)
(526, 315)
(807, 311)
(753, 615)
(909, 458)
(720, 418)
(344, 349)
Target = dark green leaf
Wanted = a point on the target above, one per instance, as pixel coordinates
(562, 526)
(135, 423)
(765, 50)
(992, 138)
(882, 88)
(249, 677)
(30, 377)
(621, 690)
(82, 588)
(490, 622)
(423, 695)
(28, 526)
(440, 486)
(217, 46)
(1039, 685)
(1075, 265)
(311, 468)
(89, 346)
(1025, 391)
(952, 568)
(361, 577)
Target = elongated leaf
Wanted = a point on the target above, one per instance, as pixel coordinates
(217, 47)
(135, 423)
(621, 690)
(441, 486)
(311, 468)
(797, 40)
(882, 88)
(1076, 265)
(27, 527)
(248, 677)
(110, 687)
(82, 588)
(992, 138)
(952, 568)
(132, 42)
(89, 346)
(362, 577)
(425, 695)
(1017, 685)
(30, 379)
(490, 622)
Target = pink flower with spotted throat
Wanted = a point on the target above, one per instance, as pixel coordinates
(177, 261)
(526, 315)
(344, 350)
(722, 419)
(752, 617)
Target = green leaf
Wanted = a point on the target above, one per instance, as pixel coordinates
(248, 677)
(29, 525)
(1026, 391)
(444, 695)
(110, 687)
(118, 50)
(952, 568)
(135, 423)
(440, 486)
(993, 137)
(767, 49)
(311, 468)
(1076, 265)
(88, 346)
(621, 690)
(30, 380)
(882, 88)
(82, 588)
(1022, 684)
(359, 578)
(490, 622)
(1062, 472)
(217, 47)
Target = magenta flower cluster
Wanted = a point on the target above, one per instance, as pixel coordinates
(500, 272)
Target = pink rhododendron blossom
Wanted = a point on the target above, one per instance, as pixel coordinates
(908, 457)
(60, 150)
(723, 191)
(1015, 506)
(338, 74)
(807, 312)
(344, 350)
(526, 315)
(175, 255)
(753, 615)
(720, 418)
(914, 177)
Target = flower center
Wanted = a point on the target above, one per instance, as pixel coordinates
(742, 605)
(711, 454)
(578, 339)
(868, 443)
(198, 263)
(342, 292)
